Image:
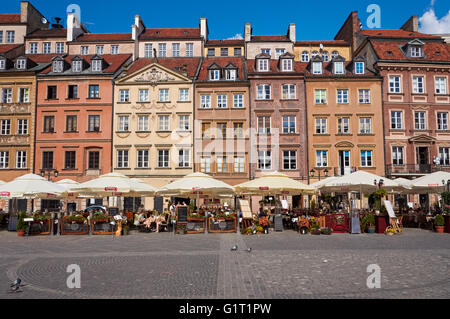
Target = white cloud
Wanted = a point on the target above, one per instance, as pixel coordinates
(237, 36)
(430, 24)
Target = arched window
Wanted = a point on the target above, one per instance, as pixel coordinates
(305, 56)
(334, 54)
(314, 53)
(326, 56)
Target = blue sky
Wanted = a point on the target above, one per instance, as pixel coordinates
(315, 20)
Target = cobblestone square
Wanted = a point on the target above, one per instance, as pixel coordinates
(280, 265)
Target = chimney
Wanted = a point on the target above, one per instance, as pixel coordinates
(137, 28)
(348, 30)
(291, 32)
(248, 32)
(411, 25)
(204, 32)
(73, 27)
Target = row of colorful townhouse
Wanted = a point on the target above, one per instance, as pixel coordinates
(160, 103)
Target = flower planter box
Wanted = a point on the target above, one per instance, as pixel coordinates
(222, 224)
(381, 223)
(74, 227)
(40, 228)
(196, 225)
(102, 227)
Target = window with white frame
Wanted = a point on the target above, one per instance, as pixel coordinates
(214, 75)
(317, 67)
(164, 95)
(397, 155)
(239, 164)
(76, 66)
(123, 124)
(338, 67)
(114, 49)
(163, 158)
(342, 96)
(96, 65)
(221, 163)
(143, 95)
(163, 123)
(2, 64)
(184, 95)
(321, 125)
(279, 52)
(264, 160)
(205, 165)
(222, 101)
(440, 84)
(288, 92)
(396, 120)
(286, 65)
(416, 51)
(184, 158)
(325, 56)
(142, 159)
(7, 95)
(33, 48)
(47, 48)
(264, 124)
(289, 124)
(394, 84)
(365, 125)
(10, 36)
(162, 52)
(289, 160)
(21, 64)
(267, 51)
(122, 159)
(366, 158)
(22, 127)
(320, 96)
(343, 125)
(189, 49)
(419, 121)
(364, 96)
(5, 127)
(205, 101)
(263, 92)
(238, 100)
(58, 66)
(321, 158)
(59, 47)
(221, 130)
(223, 51)
(442, 121)
(148, 50)
(230, 74)
(418, 85)
(24, 95)
(21, 159)
(184, 122)
(100, 49)
(84, 50)
(124, 95)
(263, 65)
(359, 67)
(175, 49)
(444, 155)
(238, 130)
(4, 159)
(143, 123)
(305, 56)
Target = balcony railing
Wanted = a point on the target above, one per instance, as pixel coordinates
(415, 169)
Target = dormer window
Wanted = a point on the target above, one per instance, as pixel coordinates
(359, 67)
(77, 66)
(339, 67)
(286, 65)
(317, 67)
(21, 64)
(414, 49)
(263, 65)
(2, 64)
(58, 66)
(97, 65)
(416, 52)
(334, 54)
(214, 75)
(230, 75)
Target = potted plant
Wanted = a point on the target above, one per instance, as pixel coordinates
(315, 229)
(439, 224)
(389, 231)
(326, 231)
(369, 223)
(126, 230)
(181, 229)
(22, 226)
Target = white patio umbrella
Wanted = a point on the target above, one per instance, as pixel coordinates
(68, 184)
(359, 181)
(197, 184)
(274, 183)
(31, 186)
(318, 184)
(112, 184)
(140, 188)
(431, 184)
(2, 183)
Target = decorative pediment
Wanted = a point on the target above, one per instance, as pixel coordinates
(344, 144)
(416, 42)
(230, 66)
(154, 75)
(214, 66)
(422, 139)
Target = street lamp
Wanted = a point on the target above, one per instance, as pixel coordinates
(312, 172)
(379, 184)
(48, 172)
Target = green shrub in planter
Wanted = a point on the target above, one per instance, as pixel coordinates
(439, 220)
(21, 225)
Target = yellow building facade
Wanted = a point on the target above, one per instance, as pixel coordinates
(323, 48)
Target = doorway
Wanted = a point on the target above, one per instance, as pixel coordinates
(423, 160)
(344, 163)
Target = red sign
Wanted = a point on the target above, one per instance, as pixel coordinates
(51, 195)
(433, 185)
(3, 194)
(285, 193)
(197, 193)
(264, 188)
(111, 189)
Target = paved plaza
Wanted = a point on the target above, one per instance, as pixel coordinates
(280, 265)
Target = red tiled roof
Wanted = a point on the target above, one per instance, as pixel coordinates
(171, 33)
(4, 48)
(317, 42)
(270, 38)
(115, 61)
(41, 58)
(385, 33)
(222, 62)
(10, 18)
(298, 67)
(391, 50)
(47, 33)
(175, 64)
(100, 37)
(225, 42)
